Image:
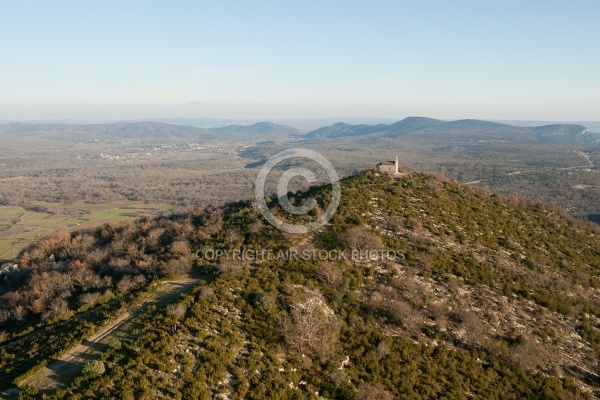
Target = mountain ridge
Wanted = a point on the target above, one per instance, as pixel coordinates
(147, 129)
(408, 127)
(429, 127)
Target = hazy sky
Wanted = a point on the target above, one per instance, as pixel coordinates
(282, 59)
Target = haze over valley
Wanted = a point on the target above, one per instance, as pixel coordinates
(67, 174)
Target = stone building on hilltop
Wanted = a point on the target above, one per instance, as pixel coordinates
(388, 167)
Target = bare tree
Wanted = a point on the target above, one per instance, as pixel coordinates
(359, 238)
(180, 248)
(176, 310)
(56, 308)
(231, 267)
(330, 273)
(527, 352)
(206, 292)
(90, 298)
(177, 266)
(312, 326)
(370, 391)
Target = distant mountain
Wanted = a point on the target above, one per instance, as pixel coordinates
(342, 129)
(148, 129)
(145, 129)
(467, 128)
(593, 126)
(475, 124)
(114, 130)
(259, 128)
(418, 127)
(560, 130)
(411, 123)
(304, 125)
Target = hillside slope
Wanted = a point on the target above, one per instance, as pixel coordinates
(485, 298)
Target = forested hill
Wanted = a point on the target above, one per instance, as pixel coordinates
(143, 130)
(429, 128)
(488, 297)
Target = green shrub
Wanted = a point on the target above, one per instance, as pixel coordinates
(115, 344)
(94, 369)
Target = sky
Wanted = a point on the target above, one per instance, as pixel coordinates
(135, 59)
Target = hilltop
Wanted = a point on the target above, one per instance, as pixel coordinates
(485, 297)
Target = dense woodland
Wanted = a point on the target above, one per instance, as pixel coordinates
(493, 297)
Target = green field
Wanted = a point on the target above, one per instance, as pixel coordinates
(20, 227)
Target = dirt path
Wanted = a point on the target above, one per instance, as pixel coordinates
(79, 316)
(60, 373)
(50, 327)
(309, 242)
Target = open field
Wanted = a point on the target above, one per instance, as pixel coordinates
(20, 227)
